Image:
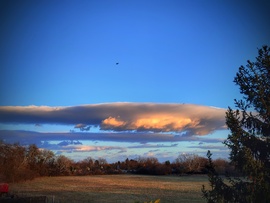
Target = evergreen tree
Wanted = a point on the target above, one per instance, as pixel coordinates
(249, 140)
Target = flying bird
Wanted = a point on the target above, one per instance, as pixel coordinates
(116, 63)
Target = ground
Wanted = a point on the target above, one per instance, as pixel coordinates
(114, 188)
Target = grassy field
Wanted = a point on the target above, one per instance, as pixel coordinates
(114, 188)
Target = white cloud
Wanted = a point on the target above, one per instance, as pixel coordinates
(86, 148)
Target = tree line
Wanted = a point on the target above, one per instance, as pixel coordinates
(19, 163)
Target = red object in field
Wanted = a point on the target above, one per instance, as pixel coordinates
(3, 188)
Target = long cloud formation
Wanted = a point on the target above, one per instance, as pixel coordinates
(30, 136)
(136, 117)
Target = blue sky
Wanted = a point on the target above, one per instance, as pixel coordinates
(60, 56)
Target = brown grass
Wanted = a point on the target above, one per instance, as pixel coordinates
(115, 188)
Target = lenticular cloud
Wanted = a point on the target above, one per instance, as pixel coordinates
(139, 117)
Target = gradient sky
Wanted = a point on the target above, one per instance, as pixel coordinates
(60, 86)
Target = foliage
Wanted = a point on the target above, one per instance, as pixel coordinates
(220, 192)
(191, 163)
(249, 140)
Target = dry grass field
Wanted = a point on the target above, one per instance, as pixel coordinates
(114, 188)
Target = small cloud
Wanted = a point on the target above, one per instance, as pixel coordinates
(156, 150)
(112, 123)
(209, 147)
(82, 127)
(63, 143)
(76, 142)
(71, 142)
(122, 151)
(86, 148)
(149, 154)
(153, 146)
